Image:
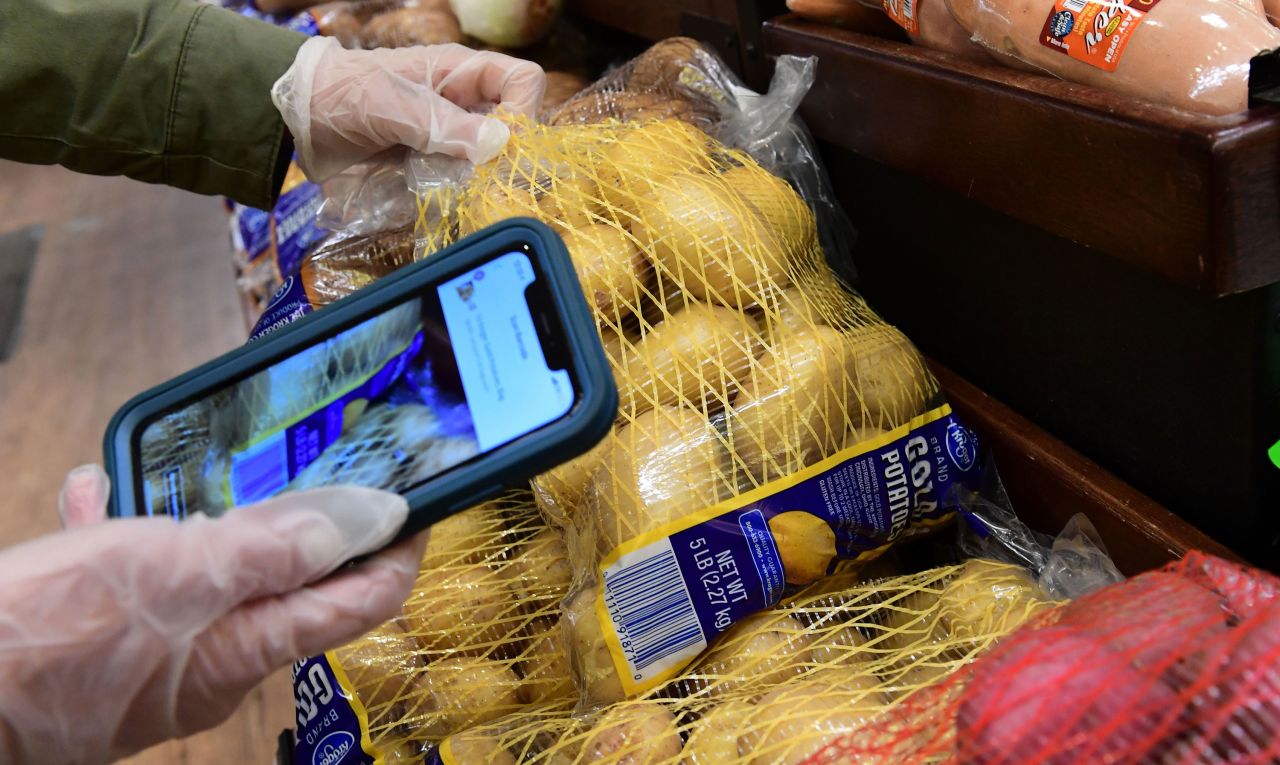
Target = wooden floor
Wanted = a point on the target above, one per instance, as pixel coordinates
(132, 285)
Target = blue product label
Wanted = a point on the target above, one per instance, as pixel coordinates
(253, 231)
(668, 594)
(295, 225)
(263, 468)
(288, 304)
(305, 23)
(332, 725)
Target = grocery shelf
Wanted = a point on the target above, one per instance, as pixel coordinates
(1194, 199)
(1048, 482)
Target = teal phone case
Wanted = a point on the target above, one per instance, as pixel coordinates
(508, 466)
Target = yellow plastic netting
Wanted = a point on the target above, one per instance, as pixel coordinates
(477, 663)
(479, 637)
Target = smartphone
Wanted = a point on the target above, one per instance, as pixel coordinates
(448, 381)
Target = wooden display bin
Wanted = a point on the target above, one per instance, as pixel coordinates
(1107, 268)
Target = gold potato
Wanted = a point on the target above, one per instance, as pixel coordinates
(806, 544)
(662, 466)
(610, 267)
(988, 596)
(462, 611)
(545, 664)
(891, 379)
(633, 734)
(713, 739)
(795, 721)
(459, 692)
(793, 407)
(540, 574)
(636, 163)
(474, 748)
(706, 239)
(562, 490)
(592, 662)
(857, 436)
(839, 643)
(699, 353)
(464, 538)
(764, 649)
(794, 309)
(381, 665)
(564, 200)
(785, 214)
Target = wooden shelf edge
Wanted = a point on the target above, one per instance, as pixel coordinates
(1048, 482)
(1033, 147)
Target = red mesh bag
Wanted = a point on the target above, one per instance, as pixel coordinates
(1173, 667)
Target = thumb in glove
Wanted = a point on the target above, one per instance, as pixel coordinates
(116, 636)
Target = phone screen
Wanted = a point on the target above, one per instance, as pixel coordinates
(470, 364)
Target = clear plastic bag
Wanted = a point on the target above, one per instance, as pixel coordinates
(1068, 566)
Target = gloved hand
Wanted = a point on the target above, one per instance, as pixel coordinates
(116, 636)
(344, 106)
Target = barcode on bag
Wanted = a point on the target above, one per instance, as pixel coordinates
(651, 611)
(1075, 6)
(260, 471)
(909, 9)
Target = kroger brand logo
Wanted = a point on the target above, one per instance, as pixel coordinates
(962, 446)
(333, 747)
(280, 293)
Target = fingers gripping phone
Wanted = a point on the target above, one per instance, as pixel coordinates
(447, 382)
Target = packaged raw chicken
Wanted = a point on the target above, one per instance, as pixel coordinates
(1192, 54)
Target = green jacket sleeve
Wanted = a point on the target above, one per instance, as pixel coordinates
(164, 91)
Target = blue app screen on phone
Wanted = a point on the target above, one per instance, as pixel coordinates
(389, 403)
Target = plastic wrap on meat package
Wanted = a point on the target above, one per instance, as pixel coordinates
(1192, 55)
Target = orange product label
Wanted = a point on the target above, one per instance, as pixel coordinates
(1094, 32)
(905, 13)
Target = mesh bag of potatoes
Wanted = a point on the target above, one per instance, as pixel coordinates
(771, 425)
(838, 661)
(480, 638)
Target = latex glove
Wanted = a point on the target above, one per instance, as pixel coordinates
(115, 636)
(344, 106)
